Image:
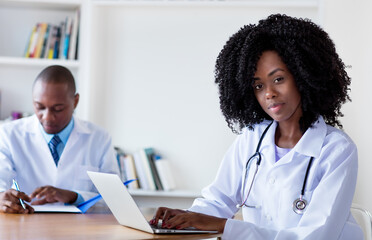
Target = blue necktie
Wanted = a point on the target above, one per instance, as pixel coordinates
(53, 148)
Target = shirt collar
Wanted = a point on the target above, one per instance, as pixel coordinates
(63, 135)
(312, 141)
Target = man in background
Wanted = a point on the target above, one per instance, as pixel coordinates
(49, 153)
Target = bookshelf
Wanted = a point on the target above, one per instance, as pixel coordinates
(24, 62)
(17, 18)
(140, 58)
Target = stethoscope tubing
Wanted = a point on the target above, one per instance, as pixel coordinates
(299, 204)
(258, 162)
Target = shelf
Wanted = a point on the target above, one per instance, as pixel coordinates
(37, 62)
(172, 199)
(174, 193)
(37, 4)
(208, 3)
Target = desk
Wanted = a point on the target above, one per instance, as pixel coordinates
(101, 225)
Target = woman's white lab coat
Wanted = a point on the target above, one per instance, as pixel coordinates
(329, 189)
(25, 155)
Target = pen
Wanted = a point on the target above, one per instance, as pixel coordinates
(17, 188)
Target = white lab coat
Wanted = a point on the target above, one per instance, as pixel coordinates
(25, 156)
(329, 189)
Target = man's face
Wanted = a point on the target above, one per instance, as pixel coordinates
(53, 105)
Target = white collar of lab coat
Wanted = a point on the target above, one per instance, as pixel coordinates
(310, 144)
(312, 141)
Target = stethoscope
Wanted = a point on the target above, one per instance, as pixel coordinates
(299, 204)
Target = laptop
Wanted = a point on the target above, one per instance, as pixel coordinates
(123, 207)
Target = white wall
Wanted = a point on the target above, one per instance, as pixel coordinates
(349, 25)
(153, 80)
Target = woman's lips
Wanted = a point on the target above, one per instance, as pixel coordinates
(275, 107)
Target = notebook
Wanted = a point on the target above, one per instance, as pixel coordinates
(123, 207)
(56, 207)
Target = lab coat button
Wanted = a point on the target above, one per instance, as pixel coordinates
(272, 180)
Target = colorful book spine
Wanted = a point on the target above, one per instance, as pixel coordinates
(57, 44)
(34, 41)
(62, 39)
(30, 41)
(74, 34)
(40, 40)
(155, 175)
(142, 178)
(130, 171)
(165, 173)
(66, 44)
(147, 169)
(44, 49)
(48, 41)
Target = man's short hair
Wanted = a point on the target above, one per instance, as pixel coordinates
(57, 74)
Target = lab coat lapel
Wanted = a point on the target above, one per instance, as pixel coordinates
(312, 141)
(267, 149)
(309, 145)
(73, 139)
(40, 143)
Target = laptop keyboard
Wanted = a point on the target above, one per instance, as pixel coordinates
(160, 227)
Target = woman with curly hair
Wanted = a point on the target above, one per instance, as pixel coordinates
(291, 171)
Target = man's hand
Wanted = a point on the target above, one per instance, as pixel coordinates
(9, 202)
(50, 194)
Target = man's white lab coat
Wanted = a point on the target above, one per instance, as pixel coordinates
(25, 156)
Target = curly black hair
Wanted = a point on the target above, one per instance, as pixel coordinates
(309, 55)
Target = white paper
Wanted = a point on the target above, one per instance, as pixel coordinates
(56, 207)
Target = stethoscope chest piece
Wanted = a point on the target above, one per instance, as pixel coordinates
(299, 205)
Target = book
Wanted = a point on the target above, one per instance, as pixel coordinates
(67, 36)
(34, 41)
(130, 171)
(74, 35)
(57, 44)
(147, 168)
(44, 47)
(119, 158)
(77, 45)
(40, 40)
(141, 175)
(151, 157)
(51, 42)
(47, 43)
(30, 41)
(61, 39)
(165, 173)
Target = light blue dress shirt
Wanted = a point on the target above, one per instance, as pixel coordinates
(63, 135)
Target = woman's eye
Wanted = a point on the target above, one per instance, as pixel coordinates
(278, 79)
(257, 86)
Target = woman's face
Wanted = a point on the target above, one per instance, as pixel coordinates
(275, 89)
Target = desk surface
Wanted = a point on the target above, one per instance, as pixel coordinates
(75, 226)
